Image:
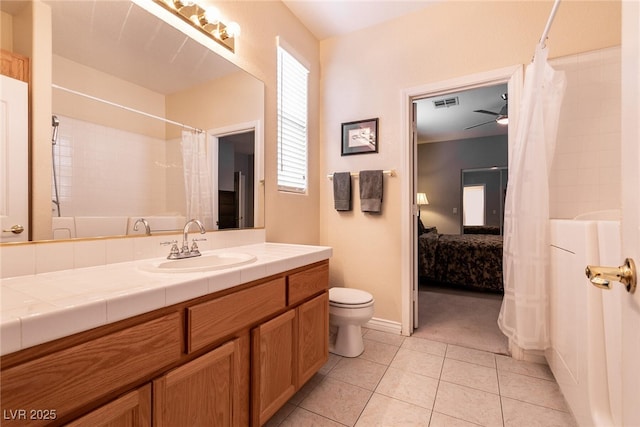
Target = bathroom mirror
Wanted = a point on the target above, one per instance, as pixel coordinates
(117, 71)
(483, 193)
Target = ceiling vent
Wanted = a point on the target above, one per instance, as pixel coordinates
(446, 103)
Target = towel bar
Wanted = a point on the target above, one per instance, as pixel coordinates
(391, 172)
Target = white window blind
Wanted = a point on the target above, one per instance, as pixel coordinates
(292, 123)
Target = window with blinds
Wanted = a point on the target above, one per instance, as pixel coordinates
(292, 123)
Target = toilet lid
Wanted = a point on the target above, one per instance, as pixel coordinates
(349, 296)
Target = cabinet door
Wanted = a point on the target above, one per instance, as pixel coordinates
(202, 392)
(131, 410)
(313, 336)
(14, 65)
(67, 380)
(273, 376)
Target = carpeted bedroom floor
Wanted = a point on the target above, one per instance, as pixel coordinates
(467, 319)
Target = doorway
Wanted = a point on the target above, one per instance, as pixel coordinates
(511, 78)
(460, 149)
(236, 159)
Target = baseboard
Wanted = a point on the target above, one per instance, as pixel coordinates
(535, 356)
(384, 325)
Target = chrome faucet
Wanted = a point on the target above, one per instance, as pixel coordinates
(185, 243)
(185, 251)
(146, 226)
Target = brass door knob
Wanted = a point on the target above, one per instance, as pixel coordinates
(16, 229)
(602, 277)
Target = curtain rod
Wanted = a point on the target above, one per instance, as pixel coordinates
(549, 21)
(113, 104)
(391, 172)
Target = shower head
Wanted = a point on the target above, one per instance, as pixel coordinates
(55, 123)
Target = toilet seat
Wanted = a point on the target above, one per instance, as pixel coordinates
(349, 298)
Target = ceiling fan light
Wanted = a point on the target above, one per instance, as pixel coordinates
(502, 120)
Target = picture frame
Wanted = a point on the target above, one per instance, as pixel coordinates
(360, 137)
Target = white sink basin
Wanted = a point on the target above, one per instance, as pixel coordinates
(205, 262)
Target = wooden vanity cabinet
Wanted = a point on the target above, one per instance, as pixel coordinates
(51, 388)
(289, 349)
(286, 352)
(231, 359)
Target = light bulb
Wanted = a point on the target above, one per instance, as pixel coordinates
(179, 4)
(212, 14)
(233, 29)
(502, 120)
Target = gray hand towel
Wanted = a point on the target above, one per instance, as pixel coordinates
(371, 191)
(342, 191)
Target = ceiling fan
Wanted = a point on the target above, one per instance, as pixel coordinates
(501, 118)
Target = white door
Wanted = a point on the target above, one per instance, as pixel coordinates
(630, 304)
(14, 213)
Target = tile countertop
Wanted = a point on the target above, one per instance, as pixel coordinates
(43, 307)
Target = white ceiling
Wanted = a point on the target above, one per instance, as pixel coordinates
(449, 123)
(329, 18)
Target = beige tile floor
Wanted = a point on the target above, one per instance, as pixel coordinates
(408, 381)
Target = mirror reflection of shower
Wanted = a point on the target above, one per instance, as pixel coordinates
(54, 140)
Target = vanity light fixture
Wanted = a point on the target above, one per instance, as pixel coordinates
(206, 19)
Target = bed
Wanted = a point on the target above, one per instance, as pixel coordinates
(471, 261)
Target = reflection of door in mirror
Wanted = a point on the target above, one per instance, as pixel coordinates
(236, 157)
(13, 164)
(483, 192)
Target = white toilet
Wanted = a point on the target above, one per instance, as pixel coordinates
(349, 309)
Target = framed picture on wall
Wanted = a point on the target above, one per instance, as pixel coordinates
(360, 137)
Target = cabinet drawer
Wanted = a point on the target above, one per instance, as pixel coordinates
(70, 378)
(212, 320)
(308, 282)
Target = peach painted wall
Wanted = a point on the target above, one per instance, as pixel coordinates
(87, 80)
(290, 218)
(363, 76)
(228, 100)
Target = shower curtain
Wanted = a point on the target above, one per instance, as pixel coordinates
(524, 312)
(197, 177)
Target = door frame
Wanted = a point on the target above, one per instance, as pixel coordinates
(514, 77)
(258, 166)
